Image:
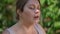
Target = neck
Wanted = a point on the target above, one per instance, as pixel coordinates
(25, 25)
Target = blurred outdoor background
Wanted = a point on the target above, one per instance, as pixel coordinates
(50, 16)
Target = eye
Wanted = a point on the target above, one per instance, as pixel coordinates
(32, 7)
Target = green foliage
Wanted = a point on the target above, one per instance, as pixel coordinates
(6, 14)
(50, 15)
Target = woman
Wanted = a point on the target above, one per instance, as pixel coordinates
(28, 13)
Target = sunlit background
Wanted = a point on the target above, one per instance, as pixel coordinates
(50, 15)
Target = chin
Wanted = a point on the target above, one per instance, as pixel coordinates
(36, 21)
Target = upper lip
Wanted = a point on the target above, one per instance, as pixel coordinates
(36, 16)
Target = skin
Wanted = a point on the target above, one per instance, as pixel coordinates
(31, 9)
(27, 21)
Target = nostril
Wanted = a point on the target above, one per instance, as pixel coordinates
(37, 11)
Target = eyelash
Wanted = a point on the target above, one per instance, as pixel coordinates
(34, 8)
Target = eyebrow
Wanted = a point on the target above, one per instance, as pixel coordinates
(34, 5)
(31, 5)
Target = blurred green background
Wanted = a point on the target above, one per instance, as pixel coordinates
(50, 15)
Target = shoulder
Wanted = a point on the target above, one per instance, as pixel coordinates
(41, 28)
(6, 32)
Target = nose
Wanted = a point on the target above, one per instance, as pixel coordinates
(37, 11)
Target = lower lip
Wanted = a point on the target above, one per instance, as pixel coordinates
(36, 18)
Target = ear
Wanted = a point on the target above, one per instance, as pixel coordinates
(18, 12)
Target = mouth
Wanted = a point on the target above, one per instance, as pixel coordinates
(36, 17)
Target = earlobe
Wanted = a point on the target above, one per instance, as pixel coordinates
(19, 12)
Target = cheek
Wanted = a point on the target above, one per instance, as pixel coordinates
(29, 14)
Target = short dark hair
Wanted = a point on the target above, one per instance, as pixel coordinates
(20, 5)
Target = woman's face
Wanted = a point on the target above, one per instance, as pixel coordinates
(31, 11)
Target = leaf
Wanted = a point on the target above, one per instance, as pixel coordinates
(42, 2)
(57, 25)
(0, 16)
(9, 1)
(58, 12)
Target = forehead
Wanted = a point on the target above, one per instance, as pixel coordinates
(35, 2)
